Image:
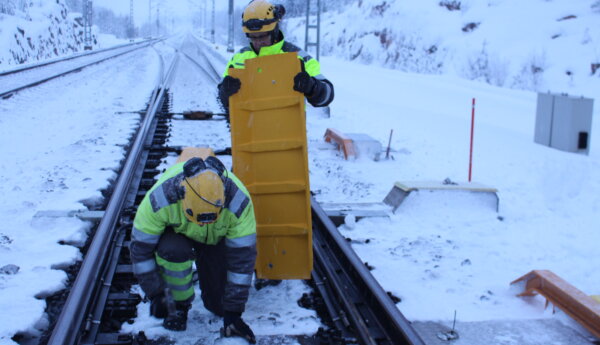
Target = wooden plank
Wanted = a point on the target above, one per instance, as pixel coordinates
(344, 142)
(409, 186)
(581, 307)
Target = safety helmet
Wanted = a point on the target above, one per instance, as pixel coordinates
(204, 190)
(261, 16)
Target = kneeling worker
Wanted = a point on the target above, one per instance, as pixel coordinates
(198, 210)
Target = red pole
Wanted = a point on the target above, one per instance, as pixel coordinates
(471, 148)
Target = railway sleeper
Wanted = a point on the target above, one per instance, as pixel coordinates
(121, 305)
(155, 155)
(150, 173)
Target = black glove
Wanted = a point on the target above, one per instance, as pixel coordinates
(304, 83)
(230, 86)
(158, 306)
(234, 326)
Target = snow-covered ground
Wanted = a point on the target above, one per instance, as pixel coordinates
(60, 144)
(440, 252)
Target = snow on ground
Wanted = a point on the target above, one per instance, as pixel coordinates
(58, 155)
(446, 251)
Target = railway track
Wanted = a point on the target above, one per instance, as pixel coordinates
(355, 309)
(18, 79)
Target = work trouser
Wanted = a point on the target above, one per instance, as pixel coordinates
(174, 257)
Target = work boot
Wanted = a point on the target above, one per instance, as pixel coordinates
(261, 283)
(177, 321)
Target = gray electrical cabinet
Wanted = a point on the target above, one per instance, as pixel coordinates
(564, 122)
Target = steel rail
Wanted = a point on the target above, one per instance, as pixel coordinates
(6, 94)
(212, 75)
(68, 328)
(374, 317)
(71, 57)
(213, 72)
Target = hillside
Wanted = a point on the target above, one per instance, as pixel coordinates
(538, 45)
(38, 31)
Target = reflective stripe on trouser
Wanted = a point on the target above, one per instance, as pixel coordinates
(178, 277)
(174, 258)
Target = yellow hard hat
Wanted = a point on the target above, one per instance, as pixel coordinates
(261, 16)
(204, 196)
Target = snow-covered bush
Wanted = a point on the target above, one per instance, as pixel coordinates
(487, 67)
(12, 6)
(531, 75)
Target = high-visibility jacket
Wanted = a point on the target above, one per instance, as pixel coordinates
(162, 208)
(323, 94)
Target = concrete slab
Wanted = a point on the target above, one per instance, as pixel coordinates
(337, 212)
(401, 190)
(366, 146)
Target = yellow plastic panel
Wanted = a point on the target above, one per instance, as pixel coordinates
(268, 143)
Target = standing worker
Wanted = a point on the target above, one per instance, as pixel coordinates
(260, 22)
(198, 210)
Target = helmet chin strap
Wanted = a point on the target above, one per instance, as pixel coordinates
(275, 34)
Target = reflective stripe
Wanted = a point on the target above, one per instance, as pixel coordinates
(179, 287)
(144, 266)
(174, 266)
(177, 274)
(239, 278)
(183, 296)
(244, 241)
(319, 77)
(236, 202)
(304, 55)
(158, 199)
(141, 236)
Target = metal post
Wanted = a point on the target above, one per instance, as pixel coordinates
(131, 19)
(318, 29)
(471, 145)
(87, 24)
(230, 38)
(212, 31)
(306, 39)
(204, 21)
(317, 26)
(150, 17)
